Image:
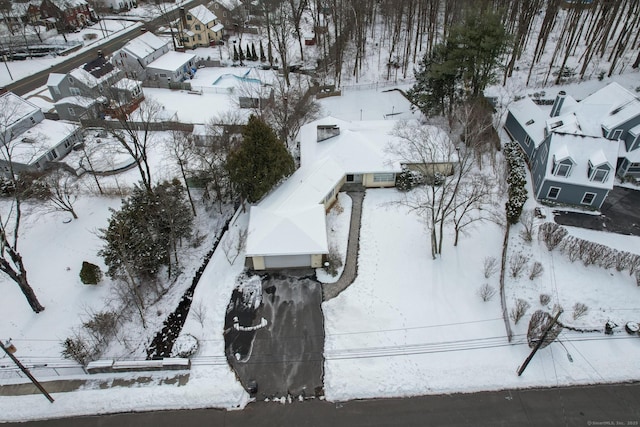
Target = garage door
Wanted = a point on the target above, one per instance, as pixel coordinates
(287, 261)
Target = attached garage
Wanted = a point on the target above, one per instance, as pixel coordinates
(287, 261)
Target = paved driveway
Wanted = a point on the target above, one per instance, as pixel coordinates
(620, 214)
(286, 356)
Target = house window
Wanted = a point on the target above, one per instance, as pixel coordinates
(617, 134)
(197, 27)
(72, 112)
(383, 177)
(56, 90)
(599, 175)
(330, 195)
(189, 17)
(67, 143)
(634, 165)
(52, 155)
(588, 198)
(553, 193)
(33, 121)
(562, 169)
(163, 75)
(199, 37)
(349, 177)
(70, 79)
(528, 140)
(74, 91)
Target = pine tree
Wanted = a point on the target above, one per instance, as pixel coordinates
(259, 162)
(263, 58)
(236, 57)
(241, 53)
(254, 57)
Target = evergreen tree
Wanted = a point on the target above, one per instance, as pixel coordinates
(259, 162)
(236, 57)
(462, 66)
(263, 58)
(241, 53)
(254, 56)
(143, 234)
(435, 91)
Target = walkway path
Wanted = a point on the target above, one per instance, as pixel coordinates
(350, 272)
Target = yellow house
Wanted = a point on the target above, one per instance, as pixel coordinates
(287, 229)
(200, 28)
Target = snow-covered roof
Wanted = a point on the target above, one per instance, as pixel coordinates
(172, 61)
(293, 231)
(229, 4)
(581, 149)
(29, 147)
(81, 101)
(217, 27)
(203, 14)
(305, 189)
(91, 80)
(531, 118)
(635, 130)
(616, 105)
(361, 147)
(598, 158)
(290, 220)
(144, 45)
(127, 84)
(13, 108)
(55, 79)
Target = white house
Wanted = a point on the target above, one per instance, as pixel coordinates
(287, 228)
(172, 67)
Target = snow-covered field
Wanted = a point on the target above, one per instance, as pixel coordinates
(412, 325)
(408, 325)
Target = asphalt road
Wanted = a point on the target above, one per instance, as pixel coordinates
(107, 47)
(601, 405)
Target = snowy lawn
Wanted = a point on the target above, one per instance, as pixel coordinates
(411, 325)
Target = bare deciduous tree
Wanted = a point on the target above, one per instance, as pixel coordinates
(11, 262)
(519, 310)
(486, 292)
(490, 266)
(63, 191)
(517, 263)
(526, 219)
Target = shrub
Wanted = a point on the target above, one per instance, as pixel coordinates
(486, 292)
(519, 310)
(407, 180)
(516, 179)
(551, 234)
(490, 266)
(536, 270)
(517, 264)
(90, 274)
(185, 345)
(333, 261)
(102, 325)
(579, 310)
(77, 348)
(545, 299)
(526, 219)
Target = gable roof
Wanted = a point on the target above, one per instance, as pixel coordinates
(203, 14)
(172, 61)
(14, 108)
(98, 67)
(40, 139)
(615, 104)
(55, 79)
(532, 119)
(144, 45)
(581, 149)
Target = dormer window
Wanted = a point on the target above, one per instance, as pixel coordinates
(530, 122)
(556, 124)
(599, 175)
(562, 168)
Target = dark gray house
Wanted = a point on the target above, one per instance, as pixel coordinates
(575, 150)
(98, 81)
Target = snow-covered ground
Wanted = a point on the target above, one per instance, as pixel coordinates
(338, 222)
(408, 325)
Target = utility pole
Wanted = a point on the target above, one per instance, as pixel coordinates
(26, 372)
(539, 344)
